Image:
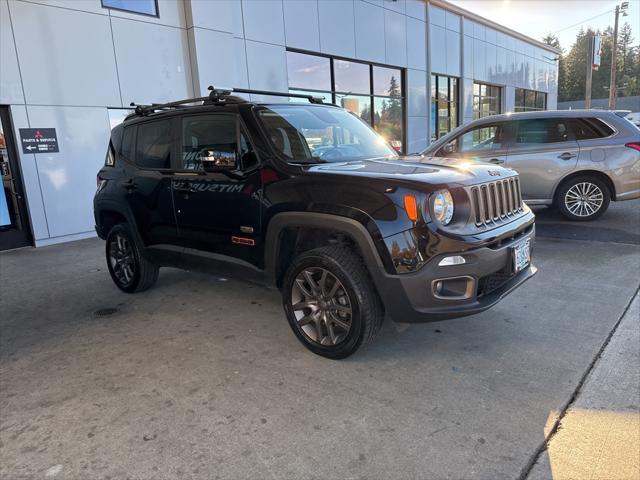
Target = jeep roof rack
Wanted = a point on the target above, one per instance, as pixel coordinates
(216, 97)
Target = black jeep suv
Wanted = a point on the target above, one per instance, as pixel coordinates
(307, 198)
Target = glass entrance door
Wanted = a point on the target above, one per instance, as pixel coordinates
(14, 224)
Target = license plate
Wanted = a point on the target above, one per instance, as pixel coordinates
(521, 255)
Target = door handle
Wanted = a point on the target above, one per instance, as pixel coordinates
(567, 156)
(497, 161)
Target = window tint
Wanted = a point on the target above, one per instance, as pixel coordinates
(153, 148)
(351, 77)
(209, 138)
(485, 138)
(126, 148)
(145, 7)
(308, 72)
(542, 130)
(589, 128)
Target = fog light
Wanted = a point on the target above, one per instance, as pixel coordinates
(454, 260)
(437, 287)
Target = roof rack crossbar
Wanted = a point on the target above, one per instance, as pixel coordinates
(311, 98)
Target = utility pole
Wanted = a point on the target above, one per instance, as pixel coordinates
(587, 95)
(614, 56)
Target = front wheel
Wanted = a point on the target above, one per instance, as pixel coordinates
(583, 198)
(330, 301)
(129, 269)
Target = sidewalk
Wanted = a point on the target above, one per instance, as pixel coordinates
(599, 436)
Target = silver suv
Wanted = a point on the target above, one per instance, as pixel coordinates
(576, 160)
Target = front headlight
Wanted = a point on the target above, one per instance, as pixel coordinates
(442, 206)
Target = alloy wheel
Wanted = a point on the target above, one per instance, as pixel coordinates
(584, 199)
(122, 259)
(321, 306)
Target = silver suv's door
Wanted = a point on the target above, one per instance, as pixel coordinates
(543, 151)
(487, 142)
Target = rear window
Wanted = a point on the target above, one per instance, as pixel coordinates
(154, 145)
(542, 131)
(126, 147)
(590, 128)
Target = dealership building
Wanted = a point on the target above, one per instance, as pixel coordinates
(413, 69)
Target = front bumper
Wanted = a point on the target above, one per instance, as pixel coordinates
(488, 271)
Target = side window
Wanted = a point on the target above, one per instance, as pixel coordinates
(126, 147)
(154, 145)
(540, 131)
(590, 128)
(484, 138)
(209, 141)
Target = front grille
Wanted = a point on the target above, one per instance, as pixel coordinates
(496, 202)
(489, 283)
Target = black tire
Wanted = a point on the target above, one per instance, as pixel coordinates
(356, 290)
(141, 273)
(581, 211)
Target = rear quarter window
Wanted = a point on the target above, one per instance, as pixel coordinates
(591, 128)
(126, 147)
(154, 145)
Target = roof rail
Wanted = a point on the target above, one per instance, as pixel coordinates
(216, 96)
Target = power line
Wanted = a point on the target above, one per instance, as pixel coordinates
(581, 22)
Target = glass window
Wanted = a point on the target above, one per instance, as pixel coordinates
(308, 72)
(480, 139)
(154, 145)
(590, 128)
(386, 82)
(387, 120)
(487, 100)
(145, 7)
(126, 149)
(360, 105)
(351, 77)
(542, 130)
(326, 96)
(317, 134)
(444, 105)
(209, 138)
(529, 100)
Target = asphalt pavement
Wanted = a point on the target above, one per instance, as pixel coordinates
(201, 377)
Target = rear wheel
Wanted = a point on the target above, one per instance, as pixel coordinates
(129, 270)
(330, 301)
(583, 198)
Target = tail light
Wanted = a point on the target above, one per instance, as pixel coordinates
(634, 145)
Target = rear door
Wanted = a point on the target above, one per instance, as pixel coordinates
(149, 148)
(487, 142)
(543, 151)
(217, 187)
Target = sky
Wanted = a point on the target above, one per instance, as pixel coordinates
(537, 18)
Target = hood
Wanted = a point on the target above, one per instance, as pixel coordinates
(429, 170)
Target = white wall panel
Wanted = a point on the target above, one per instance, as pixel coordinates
(479, 60)
(267, 66)
(417, 131)
(73, 48)
(170, 12)
(466, 94)
(452, 21)
(10, 84)
(92, 6)
(30, 179)
(395, 5)
(337, 34)
(301, 24)
(369, 25)
(438, 47)
(490, 59)
(395, 34)
(479, 31)
(263, 21)
(242, 79)
(491, 36)
(236, 14)
(416, 44)
(467, 56)
(417, 9)
(221, 73)
(453, 53)
(417, 93)
(153, 62)
(216, 15)
(437, 16)
(68, 178)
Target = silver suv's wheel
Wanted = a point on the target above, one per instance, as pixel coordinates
(583, 198)
(330, 301)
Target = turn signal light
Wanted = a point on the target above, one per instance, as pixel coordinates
(411, 207)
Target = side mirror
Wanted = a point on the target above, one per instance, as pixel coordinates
(216, 160)
(450, 148)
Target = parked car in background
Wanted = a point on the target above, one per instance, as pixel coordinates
(575, 160)
(634, 117)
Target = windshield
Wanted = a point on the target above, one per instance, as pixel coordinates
(317, 134)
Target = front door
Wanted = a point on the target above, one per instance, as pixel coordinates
(486, 143)
(543, 151)
(14, 223)
(217, 187)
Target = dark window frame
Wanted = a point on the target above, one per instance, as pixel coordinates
(135, 12)
(174, 145)
(522, 107)
(435, 83)
(335, 95)
(480, 97)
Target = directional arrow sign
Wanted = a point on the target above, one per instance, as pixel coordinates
(39, 140)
